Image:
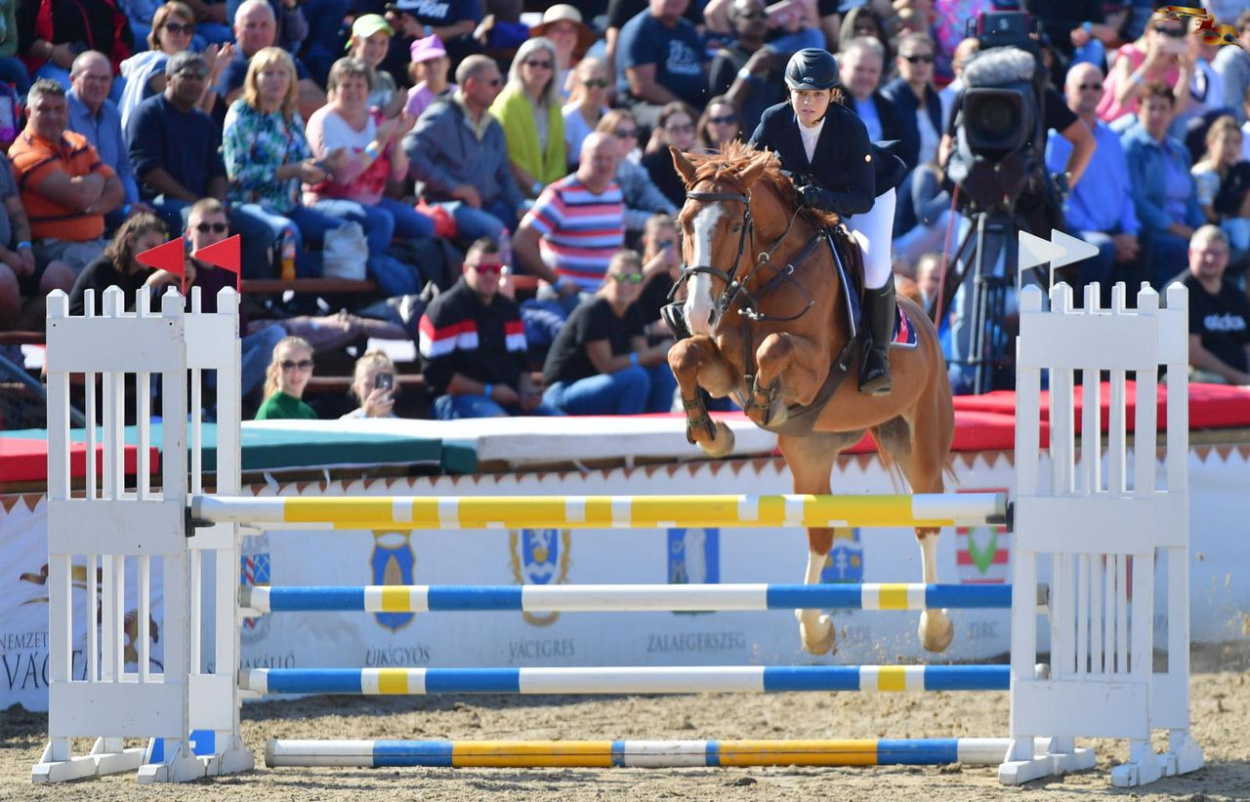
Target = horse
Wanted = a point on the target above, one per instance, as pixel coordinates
(774, 329)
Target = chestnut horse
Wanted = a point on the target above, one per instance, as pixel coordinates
(772, 327)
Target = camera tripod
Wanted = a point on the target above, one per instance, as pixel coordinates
(985, 267)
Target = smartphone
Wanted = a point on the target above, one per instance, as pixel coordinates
(1176, 46)
(384, 381)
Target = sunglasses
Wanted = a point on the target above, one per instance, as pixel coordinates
(175, 27)
(495, 82)
(1175, 33)
(918, 59)
(539, 65)
(726, 120)
(1089, 87)
(489, 268)
(303, 364)
(755, 15)
(679, 129)
(216, 228)
(626, 133)
(626, 278)
(593, 83)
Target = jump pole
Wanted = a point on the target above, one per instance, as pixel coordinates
(622, 598)
(280, 753)
(624, 679)
(605, 512)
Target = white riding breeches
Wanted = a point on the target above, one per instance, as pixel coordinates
(873, 230)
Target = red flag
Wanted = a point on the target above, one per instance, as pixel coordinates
(224, 254)
(169, 257)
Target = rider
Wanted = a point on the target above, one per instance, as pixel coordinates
(835, 168)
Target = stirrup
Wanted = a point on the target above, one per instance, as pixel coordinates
(875, 379)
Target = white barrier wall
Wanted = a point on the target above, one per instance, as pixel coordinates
(1220, 597)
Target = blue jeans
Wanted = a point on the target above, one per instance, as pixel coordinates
(629, 391)
(489, 221)
(455, 407)
(310, 227)
(393, 276)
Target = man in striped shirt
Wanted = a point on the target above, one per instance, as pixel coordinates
(576, 225)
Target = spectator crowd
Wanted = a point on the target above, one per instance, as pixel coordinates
(444, 149)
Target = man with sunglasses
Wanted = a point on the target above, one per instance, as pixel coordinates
(747, 71)
(1100, 207)
(459, 156)
(473, 343)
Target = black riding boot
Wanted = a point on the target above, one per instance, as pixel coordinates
(874, 363)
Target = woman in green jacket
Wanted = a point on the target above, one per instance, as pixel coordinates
(288, 375)
(529, 109)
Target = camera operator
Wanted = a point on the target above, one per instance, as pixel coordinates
(994, 150)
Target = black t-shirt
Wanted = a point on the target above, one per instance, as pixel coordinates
(593, 320)
(1223, 321)
(99, 276)
(655, 297)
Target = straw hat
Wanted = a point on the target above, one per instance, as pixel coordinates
(563, 12)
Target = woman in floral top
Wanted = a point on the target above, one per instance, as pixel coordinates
(267, 157)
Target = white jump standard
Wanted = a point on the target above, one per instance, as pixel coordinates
(1082, 519)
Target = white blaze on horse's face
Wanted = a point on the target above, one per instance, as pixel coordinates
(699, 302)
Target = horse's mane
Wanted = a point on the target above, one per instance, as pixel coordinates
(734, 157)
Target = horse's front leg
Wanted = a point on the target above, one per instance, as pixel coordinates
(696, 362)
(936, 628)
(790, 369)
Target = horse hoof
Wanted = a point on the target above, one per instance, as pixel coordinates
(722, 445)
(819, 638)
(936, 630)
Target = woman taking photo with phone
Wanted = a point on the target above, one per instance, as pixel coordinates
(374, 387)
(1161, 54)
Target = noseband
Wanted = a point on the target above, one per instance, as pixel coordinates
(750, 306)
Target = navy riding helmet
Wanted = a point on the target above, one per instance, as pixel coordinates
(812, 68)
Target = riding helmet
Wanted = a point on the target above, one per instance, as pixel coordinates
(812, 68)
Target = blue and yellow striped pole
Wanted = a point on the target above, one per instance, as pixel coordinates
(601, 512)
(636, 753)
(623, 680)
(624, 598)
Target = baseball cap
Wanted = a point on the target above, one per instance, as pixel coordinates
(369, 24)
(426, 48)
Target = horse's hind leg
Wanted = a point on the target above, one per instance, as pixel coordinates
(696, 361)
(811, 462)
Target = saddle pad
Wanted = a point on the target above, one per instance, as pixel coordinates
(904, 331)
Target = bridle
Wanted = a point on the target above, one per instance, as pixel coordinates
(734, 288)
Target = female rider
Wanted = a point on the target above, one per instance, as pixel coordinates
(835, 168)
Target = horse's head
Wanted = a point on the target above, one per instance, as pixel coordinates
(727, 210)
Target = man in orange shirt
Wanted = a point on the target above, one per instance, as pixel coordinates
(65, 186)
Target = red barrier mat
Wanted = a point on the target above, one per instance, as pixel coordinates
(26, 460)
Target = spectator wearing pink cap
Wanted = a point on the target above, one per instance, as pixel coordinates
(371, 39)
(429, 74)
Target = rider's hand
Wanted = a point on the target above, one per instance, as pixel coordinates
(810, 195)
